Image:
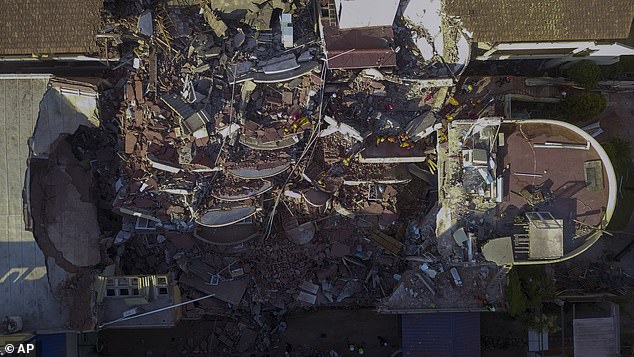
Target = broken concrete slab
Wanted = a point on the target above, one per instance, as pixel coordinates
(215, 23)
(260, 144)
(65, 107)
(307, 298)
(231, 235)
(196, 121)
(422, 126)
(245, 193)
(228, 291)
(223, 217)
(316, 198)
(251, 173)
(145, 24)
(309, 287)
(302, 234)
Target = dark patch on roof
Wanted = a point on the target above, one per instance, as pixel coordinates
(544, 20)
(441, 334)
(49, 27)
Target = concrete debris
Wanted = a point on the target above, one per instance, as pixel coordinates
(237, 163)
(146, 26)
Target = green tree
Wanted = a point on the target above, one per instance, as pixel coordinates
(543, 322)
(585, 73)
(583, 106)
(515, 296)
(620, 154)
(528, 289)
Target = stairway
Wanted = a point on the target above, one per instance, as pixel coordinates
(332, 13)
(521, 246)
(500, 277)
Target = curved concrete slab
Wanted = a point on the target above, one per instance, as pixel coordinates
(229, 235)
(316, 198)
(252, 173)
(258, 144)
(245, 194)
(220, 218)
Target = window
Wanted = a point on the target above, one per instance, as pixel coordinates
(134, 281)
(145, 224)
(162, 291)
(123, 282)
(124, 292)
(135, 292)
(109, 282)
(111, 292)
(162, 280)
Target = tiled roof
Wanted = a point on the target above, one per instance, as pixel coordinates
(359, 48)
(48, 27)
(544, 20)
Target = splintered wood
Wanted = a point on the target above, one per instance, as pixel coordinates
(387, 242)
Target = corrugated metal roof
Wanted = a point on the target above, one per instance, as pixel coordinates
(596, 337)
(441, 334)
(544, 20)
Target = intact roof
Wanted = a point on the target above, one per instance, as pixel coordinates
(32, 282)
(49, 27)
(24, 283)
(359, 48)
(441, 334)
(544, 20)
(596, 337)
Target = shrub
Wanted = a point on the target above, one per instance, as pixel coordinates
(585, 73)
(620, 153)
(584, 106)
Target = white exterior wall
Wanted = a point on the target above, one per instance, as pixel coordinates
(366, 13)
(286, 22)
(603, 54)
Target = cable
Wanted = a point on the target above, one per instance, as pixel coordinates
(313, 138)
(233, 94)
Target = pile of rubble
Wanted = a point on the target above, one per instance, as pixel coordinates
(252, 172)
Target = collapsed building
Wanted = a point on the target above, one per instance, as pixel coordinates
(55, 158)
(264, 157)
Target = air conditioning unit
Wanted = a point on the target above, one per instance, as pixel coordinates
(475, 157)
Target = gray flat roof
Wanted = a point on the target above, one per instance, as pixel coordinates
(596, 337)
(24, 287)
